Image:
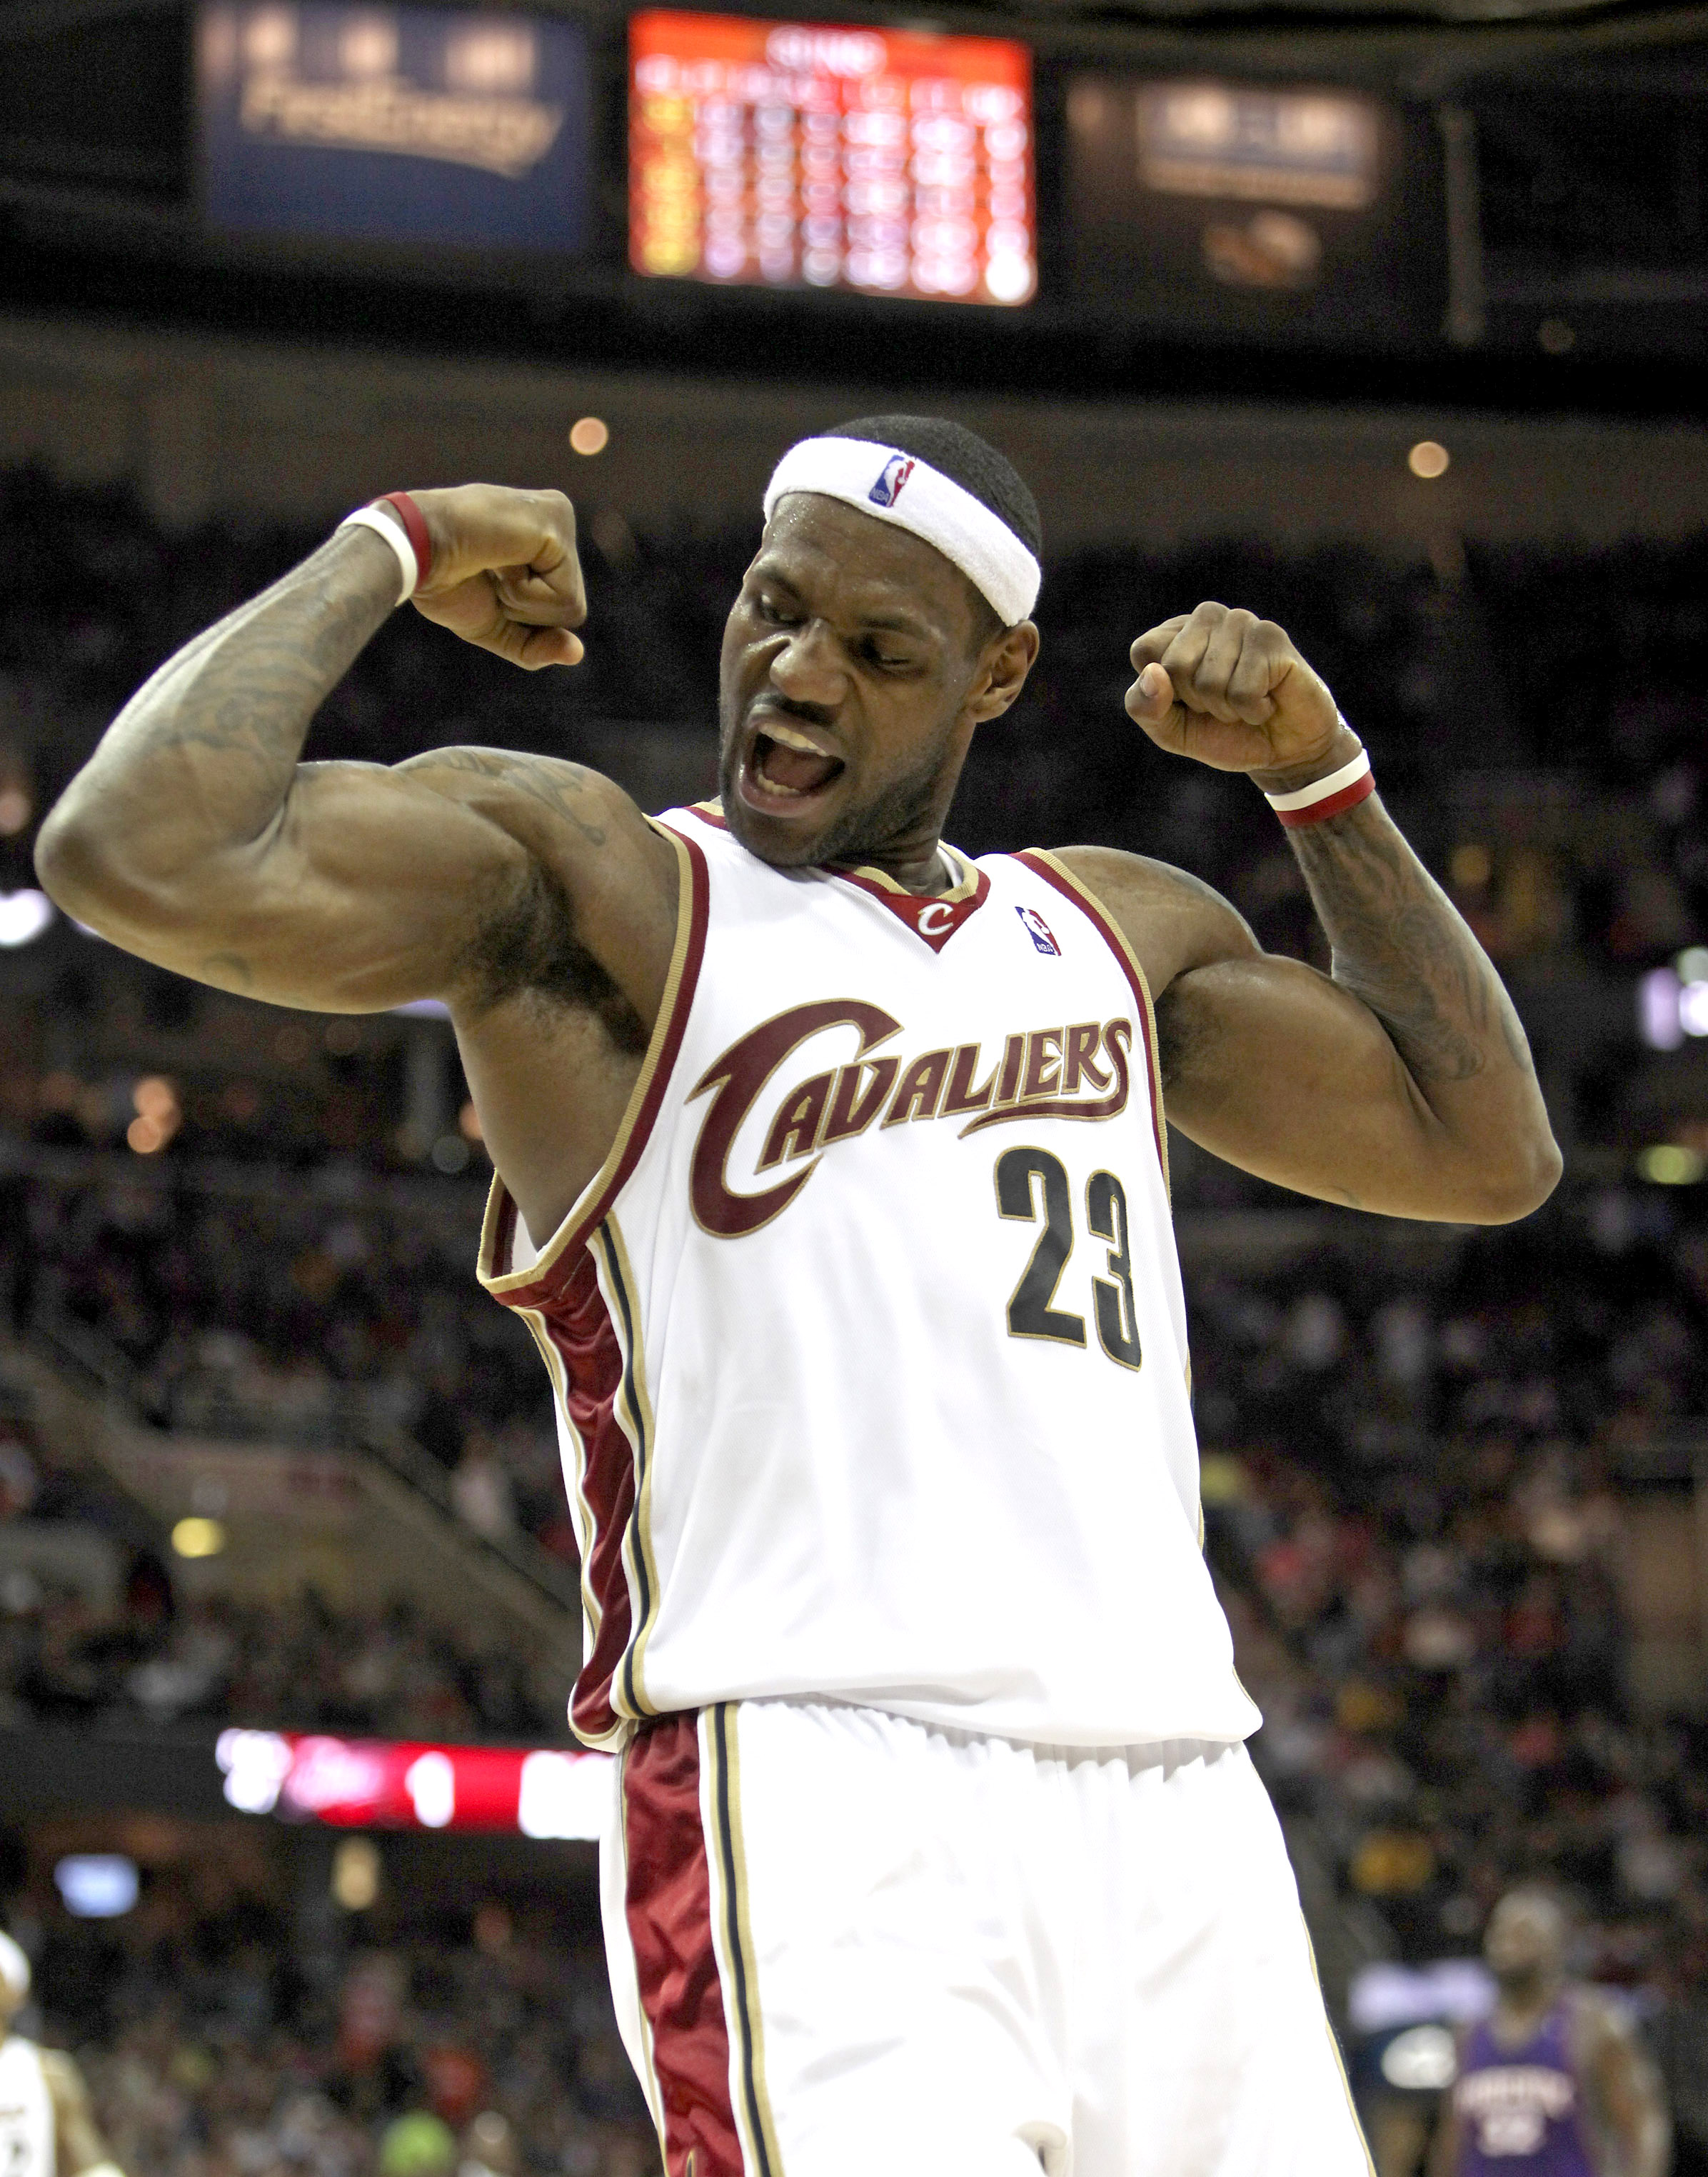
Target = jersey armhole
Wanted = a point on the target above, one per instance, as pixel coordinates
(530, 1287)
(1045, 864)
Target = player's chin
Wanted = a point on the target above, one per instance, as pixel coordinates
(788, 827)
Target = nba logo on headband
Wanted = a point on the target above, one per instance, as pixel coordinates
(887, 488)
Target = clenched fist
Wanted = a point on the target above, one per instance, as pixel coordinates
(505, 575)
(1230, 690)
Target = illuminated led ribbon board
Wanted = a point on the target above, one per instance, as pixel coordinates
(367, 1783)
(789, 155)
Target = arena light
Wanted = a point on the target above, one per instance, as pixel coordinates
(1428, 459)
(1673, 1002)
(24, 915)
(197, 1537)
(96, 1885)
(349, 1783)
(590, 435)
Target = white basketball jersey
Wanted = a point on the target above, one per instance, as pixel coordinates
(26, 2112)
(869, 1340)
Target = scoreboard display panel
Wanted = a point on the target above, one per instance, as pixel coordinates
(789, 155)
(320, 121)
(1272, 209)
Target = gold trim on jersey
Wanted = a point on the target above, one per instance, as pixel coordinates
(953, 898)
(1113, 931)
(741, 2007)
(508, 1281)
(633, 1411)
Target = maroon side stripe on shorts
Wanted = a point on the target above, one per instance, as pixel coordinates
(670, 1928)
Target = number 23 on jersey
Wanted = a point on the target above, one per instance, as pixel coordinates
(1023, 1175)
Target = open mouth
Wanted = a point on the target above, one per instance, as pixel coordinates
(784, 769)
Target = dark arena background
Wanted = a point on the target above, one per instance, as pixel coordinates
(1391, 324)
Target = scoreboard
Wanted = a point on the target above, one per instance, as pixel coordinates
(791, 154)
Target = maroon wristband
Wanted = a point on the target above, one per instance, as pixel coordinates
(415, 528)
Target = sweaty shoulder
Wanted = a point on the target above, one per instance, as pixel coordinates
(1173, 921)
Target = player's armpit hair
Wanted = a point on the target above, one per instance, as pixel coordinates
(1181, 1039)
(526, 941)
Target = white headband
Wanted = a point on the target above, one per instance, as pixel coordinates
(14, 1968)
(901, 487)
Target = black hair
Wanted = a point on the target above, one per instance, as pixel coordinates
(965, 458)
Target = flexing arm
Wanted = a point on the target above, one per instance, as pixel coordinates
(195, 836)
(1401, 1082)
(79, 2148)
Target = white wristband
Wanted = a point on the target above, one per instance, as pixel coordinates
(388, 527)
(1322, 789)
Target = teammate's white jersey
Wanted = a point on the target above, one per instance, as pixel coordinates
(868, 1339)
(26, 2112)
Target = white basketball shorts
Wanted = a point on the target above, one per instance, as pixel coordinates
(843, 1944)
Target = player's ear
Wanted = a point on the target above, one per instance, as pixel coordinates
(1009, 657)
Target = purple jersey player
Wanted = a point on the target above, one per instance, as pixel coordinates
(1552, 2084)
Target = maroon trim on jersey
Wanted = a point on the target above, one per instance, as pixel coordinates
(1071, 889)
(578, 1324)
(710, 812)
(561, 1256)
(935, 920)
(668, 1907)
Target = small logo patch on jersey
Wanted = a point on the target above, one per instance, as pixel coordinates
(1039, 931)
(891, 478)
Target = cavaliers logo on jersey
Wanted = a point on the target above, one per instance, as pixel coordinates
(1081, 1071)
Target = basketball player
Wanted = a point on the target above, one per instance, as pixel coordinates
(1552, 2084)
(832, 1186)
(46, 2127)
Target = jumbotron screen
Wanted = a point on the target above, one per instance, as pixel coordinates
(788, 155)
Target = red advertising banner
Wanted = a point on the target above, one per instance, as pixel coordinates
(367, 1783)
(789, 155)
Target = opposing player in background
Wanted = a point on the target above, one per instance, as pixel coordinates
(832, 1183)
(46, 2127)
(1552, 2084)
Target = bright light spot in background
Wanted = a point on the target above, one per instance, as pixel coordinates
(158, 1115)
(355, 1873)
(368, 45)
(16, 809)
(24, 915)
(432, 1784)
(468, 1123)
(1471, 865)
(1657, 1010)
(270, 39)
(1428, 459)
(96, 1885)
(498, 56)
(256, 1764)
(1422, 2060)
(197, 1537)
(1668, 1163)
(590, 435)
(563, 1795)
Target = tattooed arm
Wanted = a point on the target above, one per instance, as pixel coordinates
(195, 836)
(1401, 1082)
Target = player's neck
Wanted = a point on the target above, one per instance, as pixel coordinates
(1521, 2005)
(921, 867)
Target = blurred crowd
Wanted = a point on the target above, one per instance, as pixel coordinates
(228, 2028)
(1426, 1493)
